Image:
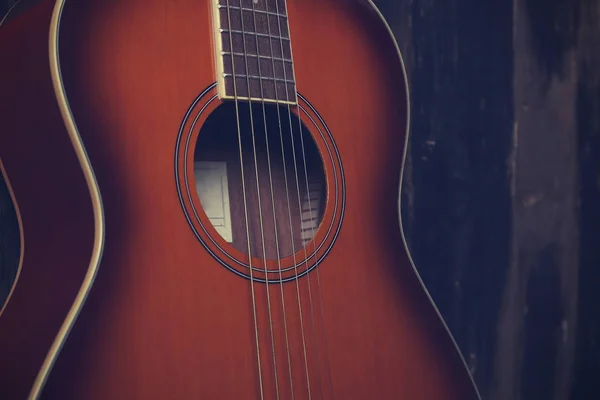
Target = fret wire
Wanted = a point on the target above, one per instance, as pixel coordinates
(228, 75)
(287, 26)
(256, 11)
(221, 30)
(227, 53)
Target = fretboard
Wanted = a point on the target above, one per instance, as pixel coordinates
(253, 51)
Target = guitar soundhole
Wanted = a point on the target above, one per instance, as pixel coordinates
(271, 199)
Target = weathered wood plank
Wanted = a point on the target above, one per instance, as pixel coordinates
(537, 323)
(587, 355)
(501, 222)
(456, 192)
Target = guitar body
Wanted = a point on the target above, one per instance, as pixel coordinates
(128, 290)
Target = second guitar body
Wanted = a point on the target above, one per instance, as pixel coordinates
(208, 198)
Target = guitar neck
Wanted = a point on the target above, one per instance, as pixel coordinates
(253, 51)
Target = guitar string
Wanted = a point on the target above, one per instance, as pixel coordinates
(320, 297)
(317, 270)
(287, 345)
(308, 195)
(239, 132)
(298, 182)
(260, 216)
(287, 192)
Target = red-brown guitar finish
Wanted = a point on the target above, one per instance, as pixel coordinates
(164, 320)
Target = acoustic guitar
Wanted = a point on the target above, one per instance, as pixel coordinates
(208, 200)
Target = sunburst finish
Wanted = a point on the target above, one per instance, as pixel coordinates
(95, 156)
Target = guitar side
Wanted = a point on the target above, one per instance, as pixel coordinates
(57, 201)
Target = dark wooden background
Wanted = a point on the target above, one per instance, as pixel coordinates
(501, 199)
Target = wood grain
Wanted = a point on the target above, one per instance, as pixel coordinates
(460, 52)
(164, 319)
(505, 101)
